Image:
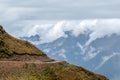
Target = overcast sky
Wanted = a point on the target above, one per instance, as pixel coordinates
(20, 12)
(58, 9)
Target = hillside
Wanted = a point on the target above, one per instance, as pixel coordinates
(11, 47)
(58, 70)
(20, 60)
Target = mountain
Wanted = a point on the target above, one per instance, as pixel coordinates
(18, 46)
(20, 59)
(98, 56)
(101, 54)
(11, 47)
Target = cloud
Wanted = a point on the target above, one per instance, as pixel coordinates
(104, 28)
(19, 14)
(105, 59)
(63, 55)
(47, 50)
(91, 53)
(54, 33)
(59, 54)
(81, 48)
(48, 32)
(88, 53)
(51, 31)
(17, 11)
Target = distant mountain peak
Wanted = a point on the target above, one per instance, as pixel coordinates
(30, 58)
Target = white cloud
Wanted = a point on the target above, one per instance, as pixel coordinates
(63, 9)
(104, 28)
(59, 54)
(47, 32)
(105, 59)
(47, 50)
(88, 52)
(97, 28)
(81, 48)
(91, 53)
(83, 27)
(54, 33)
(63, 55)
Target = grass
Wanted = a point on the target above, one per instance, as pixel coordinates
(56, 72)
(59, 71)
(11, 45)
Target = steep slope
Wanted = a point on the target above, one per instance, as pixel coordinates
(49, 71)
(92, 57)
(21, 60)
(11, 47)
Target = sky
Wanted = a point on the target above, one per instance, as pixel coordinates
(49, 32)
(15, 15)
(13, 11)
(55, 17)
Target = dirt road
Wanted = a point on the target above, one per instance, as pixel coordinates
(36, 62)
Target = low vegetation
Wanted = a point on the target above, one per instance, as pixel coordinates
(59, 71)
(20, 60)
(10, 45)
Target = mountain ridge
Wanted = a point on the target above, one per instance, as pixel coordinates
(18, 56)
(12, 46)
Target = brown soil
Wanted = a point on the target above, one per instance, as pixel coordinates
(10, 45)
(19, 55)
(6, 67)
(26, 57)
